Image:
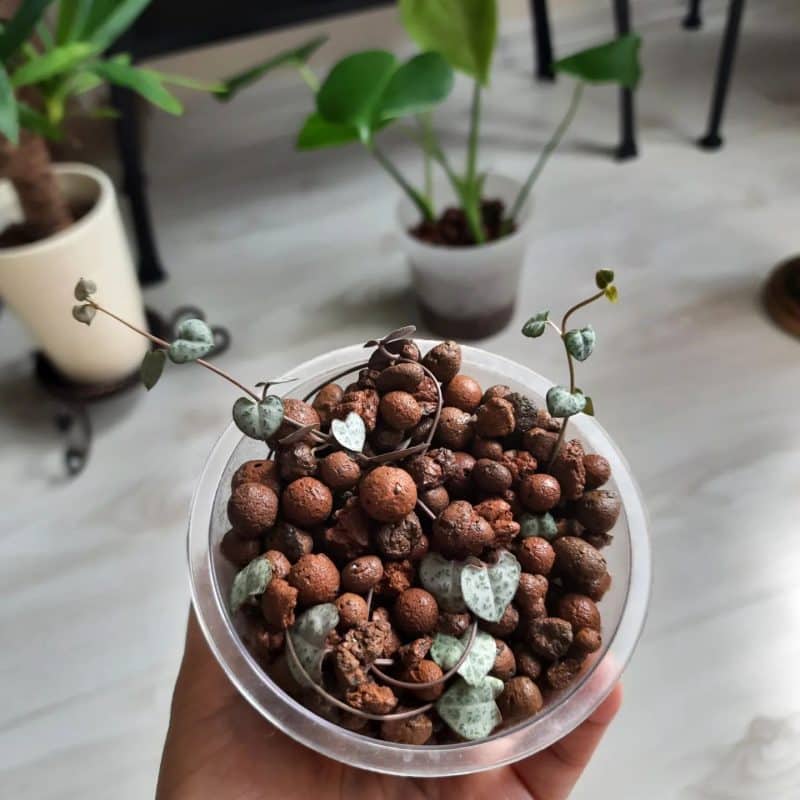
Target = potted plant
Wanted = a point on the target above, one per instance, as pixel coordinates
(466, 246)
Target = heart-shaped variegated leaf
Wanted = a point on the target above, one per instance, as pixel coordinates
(535, 326)
(258, 419)
(537, 525)
(152, 368)
(471, 711)
(84, 313)
(580, 342)
(447, 650)
(350, 433)
(442, 578)
(250, 581)
(563, 403)
(194, 340)
(309, 637)
(84, 289)
(488, 589)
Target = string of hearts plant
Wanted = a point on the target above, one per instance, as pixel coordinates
(564, 402)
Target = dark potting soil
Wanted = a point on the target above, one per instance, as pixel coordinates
(21, 233)
(452, 229)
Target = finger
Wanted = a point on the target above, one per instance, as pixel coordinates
(551, 774)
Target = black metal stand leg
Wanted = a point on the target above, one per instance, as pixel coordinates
(150, 269)
(712, 140)
(627, 144)
(692, 21)
(542, 41)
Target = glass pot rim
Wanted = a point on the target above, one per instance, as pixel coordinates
(357, 750)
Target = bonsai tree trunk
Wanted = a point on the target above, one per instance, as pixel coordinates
(29, 168)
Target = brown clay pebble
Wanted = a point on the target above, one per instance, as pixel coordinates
(316, 579)
(436, 500)
(596, 589)
(397, 577)
(536, 555)
(399, 539)
(455, 428)
(491, 476)
(416, 612)
(444, 361)
(252, 509)
(498, 514)
(404, 377)
(387, 494)
(580, 611)
(415, 651)
(539, 443)
(598, 510)
(486, 448)
(459, 484)
(328, 397)
(531, 594)
(372, 698)
(362, 574)
(458, 531)
(505, 665)
(495, 418)
(307, 502)
(539, 493)
(402, 348)
(454, 624)
(278, 603)
(505, 626)
(562, 674)
(527, 663)
(520, 699)
(260, 471)
(578, 562)
(568, 470)
(352, 610)
(384, 439)
(296, 461)
(420, 432)
(279, 563)
(299, 411)
(290, 540)
(598, 470)
(348, 537)
(239, 550)
(586, 640)
(463, 392)
(520, 463)
(426, 472)
(498, 390)
(416, 730)
(549, 637)
(339, 472)
(424, 672)
(399, 410)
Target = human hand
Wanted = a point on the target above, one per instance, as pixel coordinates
(219, 748)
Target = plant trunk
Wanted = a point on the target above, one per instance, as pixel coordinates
(28, 167)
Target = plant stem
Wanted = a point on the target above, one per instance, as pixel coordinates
(470, 194)
(425, 123)
(586, 302)
(547, 151)
(307, 74)
(421, 202)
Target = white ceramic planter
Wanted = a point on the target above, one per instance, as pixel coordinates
(37, 281)
(466, 292)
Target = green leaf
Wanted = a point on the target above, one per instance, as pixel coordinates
(350, 432)
(589, 407)
(72, 16)
(611, 293)
(562, 403)
(188, 82)
(542, 525)
(258, 420)
(294, 57)
(43, 32)
(52, 63)
(603, 278)
(488, 589)
(9, 114)
(416, 86)
(194, 339)
(447, 650)
(152, 368)
(580, 342)
(536, 325)
(614, 62)
(442, 578)
(250, 581)
(145, 82)
(120, 17)
(352, 91)
(318, 132)
(21, 26)
(463, 31)
(309, 636)
(471, 711)
(35, 121)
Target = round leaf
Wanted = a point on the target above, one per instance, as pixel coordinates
(194, 340)
(258, 420)
(613, 62)
(84, 314)
(535, 326)
(318, 132)
(350, 433)
(603, 278)
(537, 525)
(84, 289)
(447, 650)
(309, 637)
(250, 581)
(416, 86)
(152, 368)
(562, 403)
(442, 578)
(580, 343)
(471, 711)
(489, 589)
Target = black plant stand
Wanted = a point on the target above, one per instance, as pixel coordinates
(627, 147)
(692, 21)
(712, 140)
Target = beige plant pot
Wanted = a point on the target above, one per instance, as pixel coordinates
(37, 281)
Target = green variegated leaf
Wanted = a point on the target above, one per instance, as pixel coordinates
(563, 403)
(194, 340)
(250, 581)
(535, 326)
(447, 650)
(442, 578)
(350, 433)
(471, 711)
(258, 420)
(488, 589)
(537, 525)
(309, 637)
(580, 342)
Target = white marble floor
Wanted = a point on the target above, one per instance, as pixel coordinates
(290, 252)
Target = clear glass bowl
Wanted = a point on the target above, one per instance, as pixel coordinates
(623, 608)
